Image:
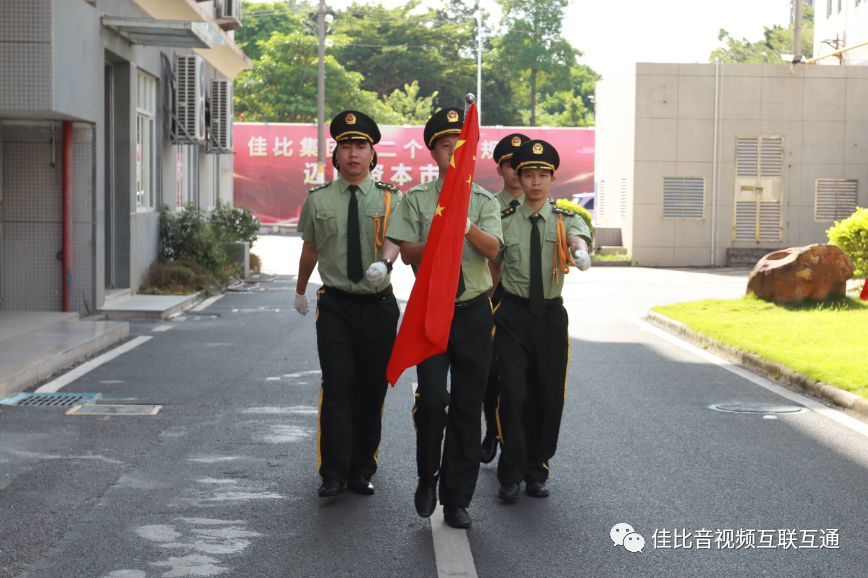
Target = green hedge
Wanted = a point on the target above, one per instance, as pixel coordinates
(851, 235)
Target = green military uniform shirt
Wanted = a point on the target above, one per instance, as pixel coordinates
(323, 221)
(505, 198)
(412, 222)
(515, 254)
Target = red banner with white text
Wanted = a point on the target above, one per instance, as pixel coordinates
(275, 164)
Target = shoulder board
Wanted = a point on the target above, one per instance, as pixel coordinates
(507, 212)
(318, 187)
(477, 189)
(560, 211)
(553, 202)
(387, 186)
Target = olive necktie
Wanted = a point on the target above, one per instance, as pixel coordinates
(537, 301)
(354, 242)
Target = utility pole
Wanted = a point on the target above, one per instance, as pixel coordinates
(797, 31)
(320, 96)
(479, 16)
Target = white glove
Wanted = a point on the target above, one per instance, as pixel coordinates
(301, 305)
(467, 228)
(376, 274)
(583, 260)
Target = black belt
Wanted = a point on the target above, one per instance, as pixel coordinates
(480, 299)
(526, 302)
(358, 296)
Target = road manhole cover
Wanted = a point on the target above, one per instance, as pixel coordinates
(50, 399)
(761, 408)
(114, 410)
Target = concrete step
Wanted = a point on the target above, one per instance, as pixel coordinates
(153, 307)
(45, 346)
(115, 294)
(744, 257)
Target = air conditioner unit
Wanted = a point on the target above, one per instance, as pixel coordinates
(190, 99)
(229, 14)
(220, 128)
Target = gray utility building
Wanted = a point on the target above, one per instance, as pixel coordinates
(108, 110)
(714, 164)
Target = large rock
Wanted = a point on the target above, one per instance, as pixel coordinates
(799, 273)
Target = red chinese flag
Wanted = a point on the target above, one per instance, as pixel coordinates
(864, 295)
(428, 317)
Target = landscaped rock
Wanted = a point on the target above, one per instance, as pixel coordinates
(799, 273)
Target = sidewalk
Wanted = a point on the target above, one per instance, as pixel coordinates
(34, 345)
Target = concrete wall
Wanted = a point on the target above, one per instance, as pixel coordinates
(821, 113)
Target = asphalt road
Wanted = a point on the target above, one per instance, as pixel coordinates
(223, 480)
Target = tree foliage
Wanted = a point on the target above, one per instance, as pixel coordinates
(402, 64)
(776, 41)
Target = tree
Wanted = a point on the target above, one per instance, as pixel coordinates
(262, 19)
(282, 86)
(408, 107)
(776, 41)
(533, 41)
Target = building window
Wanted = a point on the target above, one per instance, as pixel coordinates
(840, 5)
(601, 203)
(758, 188)
(186, 172)
(829, 8)
(683, 198)
(623, 200)
(834, 199)
(145, 142)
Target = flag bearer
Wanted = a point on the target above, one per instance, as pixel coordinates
(510, 197)
(468, 356)
(343, 226)
(531, 341)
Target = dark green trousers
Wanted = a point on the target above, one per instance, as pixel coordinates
(492, 389)
(532, 357)
(354, 338)
(468, 359)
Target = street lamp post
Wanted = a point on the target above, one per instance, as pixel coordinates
(320, 96)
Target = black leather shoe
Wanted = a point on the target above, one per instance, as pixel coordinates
(456, 516)
(536, 489)
(330, 488)
(489, 447)
(426, 498)
(362, 485)
(508, 492)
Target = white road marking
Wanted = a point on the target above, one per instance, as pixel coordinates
(451, 549)
(286, 434)
(159, 328)
(85, 368)
(300, 373)
(212, 460)
(816, 406)
(272, 379)
(207, 303)
(294, 410)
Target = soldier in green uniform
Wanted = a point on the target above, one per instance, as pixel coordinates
(469, 350)
(510, 197)
(343, 226)
(531, 341)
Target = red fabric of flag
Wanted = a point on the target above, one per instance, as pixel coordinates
(428, 317)
(864, 295)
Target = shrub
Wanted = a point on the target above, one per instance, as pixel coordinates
(176, 278)
(255, 264)
(851, 235)
(187, 235)
(576, 208)
(234, 224)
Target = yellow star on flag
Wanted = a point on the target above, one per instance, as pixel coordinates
(438, 210)
(470, 180)
(457, 145)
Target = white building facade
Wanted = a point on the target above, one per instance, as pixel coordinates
(707, 164)
(841, 24)
(123, 89)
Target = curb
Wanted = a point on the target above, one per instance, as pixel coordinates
(770, 369)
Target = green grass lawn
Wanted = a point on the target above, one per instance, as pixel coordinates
(826, 341)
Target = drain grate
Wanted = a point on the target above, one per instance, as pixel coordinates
(114, 410)
(759, 408)
(50, 399)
